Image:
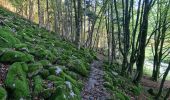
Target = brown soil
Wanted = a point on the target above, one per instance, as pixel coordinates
(3, 72)
(147, 82)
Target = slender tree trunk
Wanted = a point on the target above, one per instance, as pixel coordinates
(113, 37)
(31, 6)
(142, 42)
(40, 14)
(162, 82)
(48, 16)
(167, 95)
(78, 16)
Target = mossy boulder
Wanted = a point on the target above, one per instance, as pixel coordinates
(56, 70)
(41, 52)
(38, 85)
(54, 78)
(46, 64)
(7, 39)
(3, 94)
(78, 66)
(44, 73)
(12, 56)
(21, 47)
(17, 82)
(34, 69)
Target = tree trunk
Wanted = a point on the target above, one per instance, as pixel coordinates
(167, 95)
(40, 14)
(142, 42)
(31, 6)
(48, 19)
(162, 82)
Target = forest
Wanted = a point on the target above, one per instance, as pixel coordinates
(84, 49)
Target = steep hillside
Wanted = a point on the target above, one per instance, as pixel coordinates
(37, 64)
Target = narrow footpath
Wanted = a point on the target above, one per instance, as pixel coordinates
(94, 89)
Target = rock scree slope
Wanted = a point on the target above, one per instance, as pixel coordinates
(36, 64)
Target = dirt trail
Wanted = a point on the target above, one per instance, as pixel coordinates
(94, 89)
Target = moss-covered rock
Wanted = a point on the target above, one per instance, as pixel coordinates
(12, 56)
(7, 39)
(54, 78)
(21, 47)
(34, 69)
(17, 82)
(38, 85)
(41, 52)
(47, 93)
(78, 66)
(46, 64)
(45, 73)
(3, 94)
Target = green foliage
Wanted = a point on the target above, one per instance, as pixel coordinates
(3, 94)
(119, 85)
(121, 96)
(135, 90)
(17, 82)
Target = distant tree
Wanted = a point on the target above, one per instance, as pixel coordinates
(40, 13)
(78, 18)
(31, 11)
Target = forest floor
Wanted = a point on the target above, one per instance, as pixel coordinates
(147, 83)
(93, 88)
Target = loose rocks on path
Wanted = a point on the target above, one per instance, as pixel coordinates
(94, 89)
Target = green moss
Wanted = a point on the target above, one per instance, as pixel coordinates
(59, 94)
(16, 81)
(56, 70)
(21, 47)
(38, 82)
(34, 68)
(54, 78)
(41, 52)
(7, 39)
(78, 66)
(47, 49)
(108, 86)
(15, 56)
(45, 73)
(47, 93)
(3, 94)
(72, 74)
(46, 64)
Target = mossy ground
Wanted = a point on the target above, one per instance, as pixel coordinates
(41, 64)
(122, 88)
